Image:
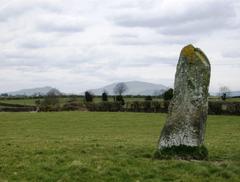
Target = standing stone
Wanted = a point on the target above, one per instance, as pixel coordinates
(186, 120)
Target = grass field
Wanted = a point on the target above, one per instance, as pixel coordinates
(227, 100)
(31, 101)
(63, 100)
(91, 146)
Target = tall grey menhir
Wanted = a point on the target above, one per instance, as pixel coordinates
(188, 108)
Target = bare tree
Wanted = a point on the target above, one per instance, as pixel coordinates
(224, 92)
(120, 88)
(51, 101)
(54, 92)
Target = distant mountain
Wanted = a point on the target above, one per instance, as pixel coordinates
(32, 91)
(234, 93)
(231, 94)
(134, 88)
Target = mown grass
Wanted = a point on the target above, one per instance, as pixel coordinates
(91, 146)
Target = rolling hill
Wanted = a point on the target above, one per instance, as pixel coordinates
(134, 88)
(31, 91)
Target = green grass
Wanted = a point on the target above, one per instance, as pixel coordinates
(182, 152)
(227, 100)
(91, 146)
(233, 100)
(63, 100)
(30, 102)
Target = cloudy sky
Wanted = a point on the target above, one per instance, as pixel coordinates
(76, 45)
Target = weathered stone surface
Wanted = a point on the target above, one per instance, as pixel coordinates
(186, 120)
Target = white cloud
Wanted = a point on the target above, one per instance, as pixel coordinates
(77, 45)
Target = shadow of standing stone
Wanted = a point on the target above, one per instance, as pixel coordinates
(183, 133)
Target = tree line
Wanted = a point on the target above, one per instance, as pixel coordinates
(51, 101)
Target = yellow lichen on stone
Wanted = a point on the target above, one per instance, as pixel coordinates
(202, 58)
(189, 53)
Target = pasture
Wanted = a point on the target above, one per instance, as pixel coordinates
(93, 146)
(63, 100)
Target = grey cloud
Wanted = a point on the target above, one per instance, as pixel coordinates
(125, 35)
(130, 40)
(32, 44)
(195, 27)
(62, 23)
(143, 4)
(195, 18)
(232, 54)
(16, 61)
(146, 61)
(107, 73)
(14, 9)
(182, 40)
(153, 61)
(77, 40)
(59, 27)
(157, 42)
(23, 58)
(38, 61)
(135, 40)
(16, 55)
(97, 67)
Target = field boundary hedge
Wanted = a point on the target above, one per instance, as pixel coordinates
(214, 107)
(12, 105)
(6, 107)
(224, 108)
